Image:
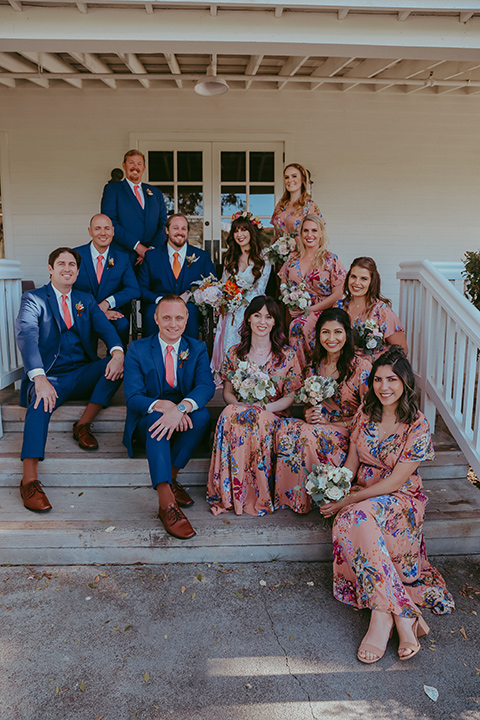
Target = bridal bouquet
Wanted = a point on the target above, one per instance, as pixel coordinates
(279, 251)
(368, 336)
(327, 483)
(295, 296)
(233, 294)
(207, 294)
(316, 389)
(252, 385)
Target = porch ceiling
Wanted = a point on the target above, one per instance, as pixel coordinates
(429, 47)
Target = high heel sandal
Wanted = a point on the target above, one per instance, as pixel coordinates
(379, 652)
(420, 629)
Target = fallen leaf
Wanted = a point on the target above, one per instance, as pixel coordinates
(248, 686)
(80, 495)
(227, 522)
(146, 677)
(291, 638)
(99, 717)
(239, 594)
(431, 692)
(111, 528)
(57, 690)
(347, 693)
(263, 583)
(97, 579)
(91, 585)
(129, 627)
(462, 630)
(311, 583)
(193, 595)
(260, 629)
(182, 589)
(122, 595)
(115, 628)
(82, 686)
(103, 574)
(199, 577)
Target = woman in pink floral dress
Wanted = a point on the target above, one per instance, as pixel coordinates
(241, 469)
(324, 437)
(295, 203)
(323, 274)
(379, 554)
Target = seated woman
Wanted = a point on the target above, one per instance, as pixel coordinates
(296, 202)
(323, 274)
(241, 470)
(363, 301)
(379, 554)
(244, 259)
(324, 437)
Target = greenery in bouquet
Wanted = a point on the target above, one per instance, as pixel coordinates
(327, 483)
(368, 336)
(279, 251)
(233, 294)
(295, 296)
(251, 384)
(207, 294)
(316, 389)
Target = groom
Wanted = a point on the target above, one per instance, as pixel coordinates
(168, 382)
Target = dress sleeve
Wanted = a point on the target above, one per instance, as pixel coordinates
(283, 272)
(313, 209)
(356, 425)
(293, 375)
(418, 445)
(261, 284)
(389, 322)
(364, 370)
(229, 364)
(338, 272)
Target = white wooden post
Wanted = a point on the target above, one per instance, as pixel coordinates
(10, 294)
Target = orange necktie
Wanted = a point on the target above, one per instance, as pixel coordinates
(176, 265)
(66, 312)
(169, 369)
(99, 268)
(137, 194)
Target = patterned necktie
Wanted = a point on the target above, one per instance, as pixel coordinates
(66, 312)
(176, 265)
(169, 369)
(99, 268)
(137, 194)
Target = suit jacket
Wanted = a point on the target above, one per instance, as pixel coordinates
(39, 326)
(144, 376)
(133, 223)
(118, 279)
(156, 275)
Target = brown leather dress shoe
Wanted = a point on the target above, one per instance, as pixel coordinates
(83, 434)
(34, 497)
(175, 522)
(181, 495)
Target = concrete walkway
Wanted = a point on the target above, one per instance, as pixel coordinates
(221, 642)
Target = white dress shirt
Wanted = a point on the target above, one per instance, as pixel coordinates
(163, 348)
(140, 190)
(95, 253)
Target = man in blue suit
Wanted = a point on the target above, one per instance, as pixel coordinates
(108, 275)
(136, 209)
(57, 330)
(172, 269)
(168, 382)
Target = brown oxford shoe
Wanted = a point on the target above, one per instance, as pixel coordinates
(175, 522)
(181, 495)
(34, 497)
(84, 436)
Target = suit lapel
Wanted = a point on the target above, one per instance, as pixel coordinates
(133, 200)
(53, 302)
(90, 270)
(107, 270)
(158, 362)
(182, 364)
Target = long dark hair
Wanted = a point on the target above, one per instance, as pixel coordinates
(234, 250)
(373, 292)
(407, 408)
(345, 366)
(277, 335)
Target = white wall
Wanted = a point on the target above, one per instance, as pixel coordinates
(396, 175)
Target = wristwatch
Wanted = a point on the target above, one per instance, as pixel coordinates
(182, 408)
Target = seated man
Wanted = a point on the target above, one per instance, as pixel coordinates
(108, 275)
(168, 381)
(172, 269)
(56, 332)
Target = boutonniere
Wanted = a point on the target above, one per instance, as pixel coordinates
(111, 262)
(79, 307)
(183, 356)
(191, 259)
(149, 192)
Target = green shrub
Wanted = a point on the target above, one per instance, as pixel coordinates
(471, 273)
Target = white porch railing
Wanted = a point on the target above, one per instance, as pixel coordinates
(11, 365)
(443, 335)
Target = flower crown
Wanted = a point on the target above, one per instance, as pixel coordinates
(248, 216)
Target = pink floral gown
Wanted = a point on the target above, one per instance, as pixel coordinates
(320, 284)
(299, 445)
(387, 321)
(241, 469)
(379, 558)
(289, 221)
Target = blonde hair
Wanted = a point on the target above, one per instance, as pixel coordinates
(321, 252)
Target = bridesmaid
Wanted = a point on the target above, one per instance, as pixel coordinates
(324, 437)
(243, 258)
(241, 470)
(323, 274)
(379, 554)
(364, 301)
(296, 202)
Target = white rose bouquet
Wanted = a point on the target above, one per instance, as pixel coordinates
(316, 389)
(327, 483)
(279, 251)
(251, 384)
(295, 296)
(368, 336)
(207, 294)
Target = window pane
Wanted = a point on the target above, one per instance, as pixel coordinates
(233, 166)
(262, 200)
(195, 234)
(190, 200)
(189, 166)
(160, 166)
(262, 167)
(169, 198)
(233, 198)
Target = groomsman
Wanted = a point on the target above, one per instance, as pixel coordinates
(108, 275)
(172, 269)
(136, 209)
(57, 329)
(168, 382)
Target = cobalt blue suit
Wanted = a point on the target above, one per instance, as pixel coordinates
(156, 278)
(118, 279)
(133, 223)
(145, 382)
(68, 357)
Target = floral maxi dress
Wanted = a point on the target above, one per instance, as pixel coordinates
(379, 557)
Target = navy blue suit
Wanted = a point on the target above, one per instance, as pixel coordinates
(118, 279)
(133, 223)
(68, 357)
(145, 382)
(156, 279)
